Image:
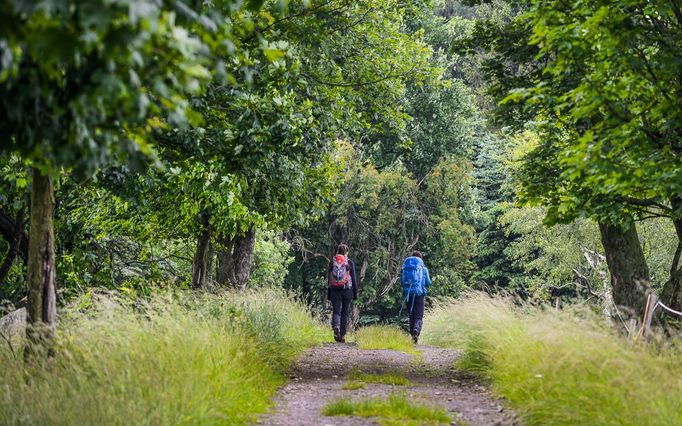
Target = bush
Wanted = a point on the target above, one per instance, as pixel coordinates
(559, 367)
(177, 359)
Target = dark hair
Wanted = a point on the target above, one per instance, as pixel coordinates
(417, 254)
(342, 249)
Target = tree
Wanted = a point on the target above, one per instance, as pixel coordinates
(79, 84)
(625, 112)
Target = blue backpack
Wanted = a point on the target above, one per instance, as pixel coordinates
(412, 276)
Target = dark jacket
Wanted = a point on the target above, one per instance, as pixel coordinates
(353, 279)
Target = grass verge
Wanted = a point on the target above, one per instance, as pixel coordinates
(179, 358)
(394, 410)
(384, 337)
(560, 368)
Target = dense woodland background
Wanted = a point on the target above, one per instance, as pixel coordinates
(529, 148)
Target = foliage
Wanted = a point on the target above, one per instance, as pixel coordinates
(559, 367)
(176, 358)
(82, 82)
(272, 258)
(394, 410)
(620, 154)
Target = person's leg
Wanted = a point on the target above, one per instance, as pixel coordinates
(418, 312)
(410, 309)
(345, 311)
(336, 299)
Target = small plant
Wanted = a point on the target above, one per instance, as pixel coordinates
(385, 337)
(395, 379)
(394, 410)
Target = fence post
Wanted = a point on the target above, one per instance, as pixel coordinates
(557, 304)
(652, 302)
(632, 330)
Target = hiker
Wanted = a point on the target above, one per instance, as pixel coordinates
(341, 291)
(414, 276)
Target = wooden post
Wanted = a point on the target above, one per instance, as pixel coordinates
(632, 330)
(557, 304)
(652, 302)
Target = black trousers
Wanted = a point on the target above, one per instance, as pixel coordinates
(341, 304)
(415, 305)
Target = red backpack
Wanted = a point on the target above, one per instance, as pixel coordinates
(340, 272)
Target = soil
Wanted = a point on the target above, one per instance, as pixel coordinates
(319, 375)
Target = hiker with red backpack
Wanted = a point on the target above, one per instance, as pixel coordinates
(414, 276)
(342, 290)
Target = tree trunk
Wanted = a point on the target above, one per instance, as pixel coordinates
(243, 258)
(630, 280)
(200, 264)
(41, 312)
(14, 245)
(235, 260)
(8, 227)
(671, 295)
(225, 262)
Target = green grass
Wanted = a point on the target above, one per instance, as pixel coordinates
(384, 337)
(395, 379)
(394, 410)
(354, 385)
(177, 359)
(560, 368)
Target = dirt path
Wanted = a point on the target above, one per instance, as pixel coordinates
(319, 375)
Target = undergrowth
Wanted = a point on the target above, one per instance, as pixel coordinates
(179, 358)
(394, 410)
(560, 367)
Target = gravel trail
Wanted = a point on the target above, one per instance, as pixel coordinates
(318, 376)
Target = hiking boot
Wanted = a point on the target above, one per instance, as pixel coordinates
(342, 339)
(337, 334)
(415, 337)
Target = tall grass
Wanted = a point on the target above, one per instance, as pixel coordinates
(177, 359)
(560, 367)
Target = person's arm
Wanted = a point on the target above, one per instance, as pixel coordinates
(354, 279)
(427, 278)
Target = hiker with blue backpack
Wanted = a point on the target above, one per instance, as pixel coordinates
(341, 291)
(414, 276)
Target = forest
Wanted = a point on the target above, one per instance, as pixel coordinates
(188, 168)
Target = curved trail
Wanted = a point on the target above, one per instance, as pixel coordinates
(318, 376)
